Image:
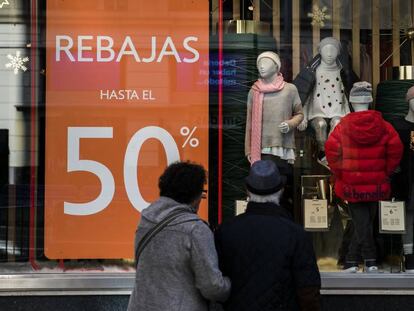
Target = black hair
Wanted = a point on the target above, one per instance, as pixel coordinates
(182, 182)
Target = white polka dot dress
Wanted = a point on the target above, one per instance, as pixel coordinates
(329, 98)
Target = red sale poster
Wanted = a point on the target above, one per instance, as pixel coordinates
(124, 98)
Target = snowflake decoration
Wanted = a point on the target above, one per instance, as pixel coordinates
(319, 16)
(17, 63)
(3, 3)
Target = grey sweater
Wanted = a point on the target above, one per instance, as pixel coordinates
(178, 269)
(278, 107)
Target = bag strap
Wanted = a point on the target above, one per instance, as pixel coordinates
(156, 229)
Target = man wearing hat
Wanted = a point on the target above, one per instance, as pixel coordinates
(269, 259)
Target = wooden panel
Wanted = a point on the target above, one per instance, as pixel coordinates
(276, 21)
(236, 9)
(396, 32)
(356, 49)
(316, 31)
(295, 37)
(336, 19)
(375, 45)
(256, 10)
(412, 42)
(214, 15)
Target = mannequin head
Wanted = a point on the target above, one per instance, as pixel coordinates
(329, 53)
(267, 68)
(410, 99)
(411, 105)
(360, 106)
(268, 65)
(329, 49)
(360, 96)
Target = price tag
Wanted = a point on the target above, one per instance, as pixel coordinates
(315, 214)
(392, 216)
(241, 206)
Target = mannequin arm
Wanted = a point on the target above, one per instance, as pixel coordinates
(247, 142)
(304, 124)
(394, 150)
(333, 150)
(297, 115)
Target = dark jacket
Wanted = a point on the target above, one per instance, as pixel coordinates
(270, 261)
(306, 78)
(403, 182)
(363, 151)
(178, 269)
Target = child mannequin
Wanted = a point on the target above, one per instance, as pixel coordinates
(274, 110)
(362, 152)
(323, 86)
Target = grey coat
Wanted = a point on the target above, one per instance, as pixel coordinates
(178, 269)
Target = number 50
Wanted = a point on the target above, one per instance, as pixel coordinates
(75, 164)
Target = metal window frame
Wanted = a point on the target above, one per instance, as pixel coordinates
(341, 283)
(62, 284)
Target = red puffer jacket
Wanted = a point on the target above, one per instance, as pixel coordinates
(362, 152)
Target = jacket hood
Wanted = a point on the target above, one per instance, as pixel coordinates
(161, 208)
(364, 127)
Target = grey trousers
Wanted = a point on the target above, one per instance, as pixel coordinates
(320, 126)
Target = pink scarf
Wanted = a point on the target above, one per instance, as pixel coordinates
(259, 89)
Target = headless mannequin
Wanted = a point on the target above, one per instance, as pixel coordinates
(405, 129)
(321, 118)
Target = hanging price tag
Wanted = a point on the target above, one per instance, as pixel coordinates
(315, 214)
(392, 217)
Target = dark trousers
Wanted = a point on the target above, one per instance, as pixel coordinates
(363, 242)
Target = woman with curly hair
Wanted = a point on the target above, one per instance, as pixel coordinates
(177, 265)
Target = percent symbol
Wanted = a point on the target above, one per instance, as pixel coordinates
(185, 131)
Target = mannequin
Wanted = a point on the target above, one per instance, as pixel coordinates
(323, 86)
(362, 152)
(274, 111)
(403, 180)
